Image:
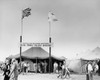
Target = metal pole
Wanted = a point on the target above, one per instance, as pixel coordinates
(36, 65)
(21, 42)
(50, 61)
(20, 52)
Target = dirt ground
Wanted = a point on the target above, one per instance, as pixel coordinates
(37, 76)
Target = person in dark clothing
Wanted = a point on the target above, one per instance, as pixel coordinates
(60, 70)
(42, 67)
(89, 71)
(59, 67)
(87, 75)
(45, 66)
(7, 70)
(99, 67)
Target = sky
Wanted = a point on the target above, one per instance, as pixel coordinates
(77, 28)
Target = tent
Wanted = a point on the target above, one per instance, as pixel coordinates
(35, 55)
(76, 65)
(35, 52)
(92, 55)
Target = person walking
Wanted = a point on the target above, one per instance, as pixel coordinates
(6, 70)
(67, 72)
(14, 70)
(87, 75)
(95, 67)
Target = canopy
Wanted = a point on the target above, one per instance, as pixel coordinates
(35, 52)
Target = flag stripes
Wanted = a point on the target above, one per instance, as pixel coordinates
(26, 12)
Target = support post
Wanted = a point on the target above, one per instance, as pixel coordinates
(50, 60)
(21, 41)
(20, 51)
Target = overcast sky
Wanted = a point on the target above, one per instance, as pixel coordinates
(77, 28)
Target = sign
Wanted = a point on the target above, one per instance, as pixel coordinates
(37, 44)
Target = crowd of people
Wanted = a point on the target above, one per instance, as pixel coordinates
(10, 69)
(91, 69)
(25, 67)
(40, 67)
(61, 69)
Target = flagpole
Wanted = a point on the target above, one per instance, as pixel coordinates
(51, 17)
(50, 61)
(21, 39)
(25, 13)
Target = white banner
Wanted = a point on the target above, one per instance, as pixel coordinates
(37, 44)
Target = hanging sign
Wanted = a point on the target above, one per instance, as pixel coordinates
(37, 44)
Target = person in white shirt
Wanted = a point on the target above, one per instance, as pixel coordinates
(55, 67)
(95, 67)
(90, 67)
(14, 70)
(90, 70)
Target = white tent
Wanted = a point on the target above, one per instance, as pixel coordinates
(76, 65)
(92, 55)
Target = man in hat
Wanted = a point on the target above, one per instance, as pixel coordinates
(14, 70)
